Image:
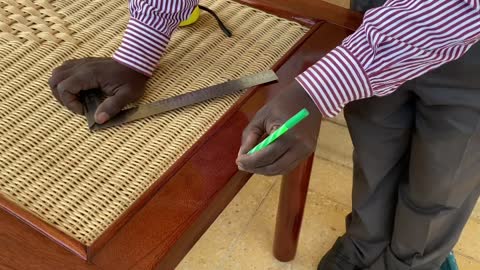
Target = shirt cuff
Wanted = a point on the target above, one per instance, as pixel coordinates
(141, 47)
(337, 79)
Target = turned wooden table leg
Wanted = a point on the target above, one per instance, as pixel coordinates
(290, 211)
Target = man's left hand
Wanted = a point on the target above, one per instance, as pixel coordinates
(290, 149)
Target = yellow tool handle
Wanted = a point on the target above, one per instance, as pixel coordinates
(193, 17)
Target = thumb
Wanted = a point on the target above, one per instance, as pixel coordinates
(251, 135)
(248, 142)
(113, 105)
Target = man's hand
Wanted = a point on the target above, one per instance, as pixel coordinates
(119, 83)
(289, 150)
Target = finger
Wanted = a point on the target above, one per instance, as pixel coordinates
(283, 165)
(78, 61)
(252, 133)
(67, 90)
(113, 105)
(71, 62)
(250, 138)
(77, 82)
(56, 95)
(72, 102)
(266, 156)
(62, 72)
(58, 75)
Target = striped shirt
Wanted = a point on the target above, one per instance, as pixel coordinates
(397, 42)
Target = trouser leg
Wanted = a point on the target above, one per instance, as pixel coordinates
(444, 171)
(381, 130)
(430, 161)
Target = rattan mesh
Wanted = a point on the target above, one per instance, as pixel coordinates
(81, 181)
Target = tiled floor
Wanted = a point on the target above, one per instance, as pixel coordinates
(242, 236)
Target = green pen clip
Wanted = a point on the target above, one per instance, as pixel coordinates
(292, 122)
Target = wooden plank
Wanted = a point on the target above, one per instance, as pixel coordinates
(23, 248)
(293, 195)
(43, 227)
(308, 11)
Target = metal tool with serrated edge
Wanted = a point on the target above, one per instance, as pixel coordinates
(92, 99)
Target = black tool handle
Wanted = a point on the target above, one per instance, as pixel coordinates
(91, 99)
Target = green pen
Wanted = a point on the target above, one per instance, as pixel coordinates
(297, 118)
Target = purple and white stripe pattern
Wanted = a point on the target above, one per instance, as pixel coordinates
(396, 42)
(148, 31)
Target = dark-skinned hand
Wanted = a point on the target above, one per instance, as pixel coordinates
(121, 84)
(290, 149)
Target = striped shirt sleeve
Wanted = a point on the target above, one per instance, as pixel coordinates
(148, 31)
(396, 42)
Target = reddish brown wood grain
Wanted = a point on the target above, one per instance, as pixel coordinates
(309, 11)
(44, 228)
(23, 248)
(293, 195)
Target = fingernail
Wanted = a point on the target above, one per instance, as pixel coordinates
(101, 118)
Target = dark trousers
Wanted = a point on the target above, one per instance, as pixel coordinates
(416, 168)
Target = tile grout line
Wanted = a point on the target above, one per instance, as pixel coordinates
(334, 162)
(466, 256)
(337, 123)
(347, 206)
(242, 232)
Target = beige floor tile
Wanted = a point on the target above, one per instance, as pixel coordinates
(250, 247)
(476, 213)
(466, 263)
(469, 244)
(324, 221)
(332, 180)
(242, 236)
(213, 245)
(253, 249)
(334, 144)
(339, 119)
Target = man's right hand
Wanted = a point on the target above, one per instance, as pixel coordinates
(121, 84)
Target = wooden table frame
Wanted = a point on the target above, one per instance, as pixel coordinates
(159, 229)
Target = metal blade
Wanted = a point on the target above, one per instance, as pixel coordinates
(92, 100)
